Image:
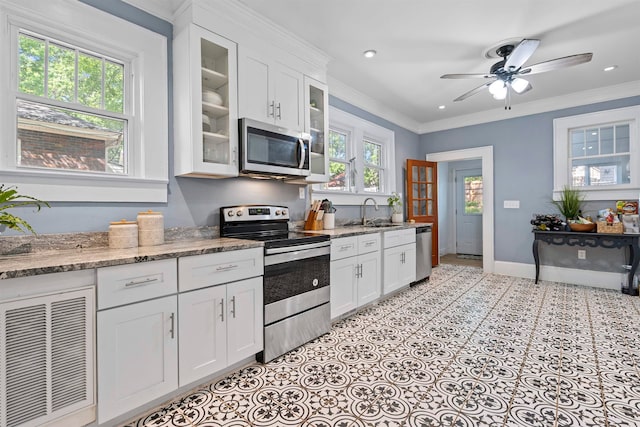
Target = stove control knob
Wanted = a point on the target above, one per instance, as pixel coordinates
(239, 213)
(278, 212)
(284, 212)
(230, 213)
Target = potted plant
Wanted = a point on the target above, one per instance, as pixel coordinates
(395, 203)
(570, 203)
(10, 198)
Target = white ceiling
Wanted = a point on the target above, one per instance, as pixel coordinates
(417, 41)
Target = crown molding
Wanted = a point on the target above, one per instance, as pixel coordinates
(358, 99)
(164, 9)
(592, 96)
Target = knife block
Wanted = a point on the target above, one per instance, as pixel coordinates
(312, 223)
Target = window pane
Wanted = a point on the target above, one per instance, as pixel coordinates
(606, 140)
(61, 75)
(372, 180)
(610, 170)
(57, 138)
(89, 81)
(472, 195)
(577, 143)
(337, 145)
(372, 153)
(622, 138)
(113, 87)
(339, 177)
(31, 65)
(591, 142)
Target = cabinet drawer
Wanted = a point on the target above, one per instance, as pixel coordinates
(399, 237)
(368, 243)
(200, 271)
(344, 247)
(124, 284)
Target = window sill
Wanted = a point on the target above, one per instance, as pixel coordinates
(69, 187)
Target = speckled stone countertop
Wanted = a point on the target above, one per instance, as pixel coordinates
(56, 261)
(356, 230)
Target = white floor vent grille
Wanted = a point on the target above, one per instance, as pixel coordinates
(46, 369)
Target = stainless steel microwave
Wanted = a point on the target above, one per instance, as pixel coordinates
(266, 149)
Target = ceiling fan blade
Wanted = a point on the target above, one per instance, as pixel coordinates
(468, 76)
(554, 64)
(473, 92)
(520, 54)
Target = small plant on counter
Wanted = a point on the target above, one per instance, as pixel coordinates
(395, 201)
(570, 203)
(10, 198)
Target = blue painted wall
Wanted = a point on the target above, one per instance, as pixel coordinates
(523, 170)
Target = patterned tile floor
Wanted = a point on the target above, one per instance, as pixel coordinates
(464, 349)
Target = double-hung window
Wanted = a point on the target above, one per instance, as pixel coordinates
(361, 159)
(83, 104)
(599, 153)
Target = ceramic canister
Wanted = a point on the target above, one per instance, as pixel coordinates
(150, 228)
(123, 234)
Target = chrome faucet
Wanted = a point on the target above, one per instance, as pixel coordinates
(364, 207)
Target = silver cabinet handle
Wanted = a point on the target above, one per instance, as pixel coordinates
(233, 306)
(273, 109)
(345, 247)
(141, 282)
(279, 112)
(369, 243)
(172, 331)
(234, 159)
(222, 310)
(227, 267)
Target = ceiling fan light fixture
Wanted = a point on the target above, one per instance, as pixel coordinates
(497, 87)
(501, 93)
(519, 85)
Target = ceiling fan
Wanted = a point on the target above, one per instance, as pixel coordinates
(506, 74)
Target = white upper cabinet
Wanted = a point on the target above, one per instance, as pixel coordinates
(317, 125)
(270, 91)
(205, 104)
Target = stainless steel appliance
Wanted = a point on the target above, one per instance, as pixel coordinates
(296, 275)
(266, 149)
(423, 252)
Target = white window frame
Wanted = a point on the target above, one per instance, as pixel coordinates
(145, 52)
(358, 130)
(562, 146)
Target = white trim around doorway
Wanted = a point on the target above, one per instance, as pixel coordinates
(486, 155)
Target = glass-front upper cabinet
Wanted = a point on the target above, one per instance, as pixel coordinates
(205, 104)
(317, 125)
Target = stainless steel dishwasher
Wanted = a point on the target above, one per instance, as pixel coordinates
(423, 252)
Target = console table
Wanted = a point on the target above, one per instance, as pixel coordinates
(591, 240)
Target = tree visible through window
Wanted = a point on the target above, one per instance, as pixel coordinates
(473, 195)
(339, 166)
(70, 108)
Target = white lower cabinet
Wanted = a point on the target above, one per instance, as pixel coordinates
(137, 335)
(399, 259)
(137, 355)
(219, 326)
(355, 272)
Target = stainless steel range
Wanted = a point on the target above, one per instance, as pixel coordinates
(296, 275)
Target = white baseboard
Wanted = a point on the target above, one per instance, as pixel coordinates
(596, 279)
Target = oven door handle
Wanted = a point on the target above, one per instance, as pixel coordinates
(273, 251)
(281, 258)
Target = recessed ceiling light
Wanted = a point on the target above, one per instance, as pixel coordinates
(611, 68)
(442, 107)
(369, 53)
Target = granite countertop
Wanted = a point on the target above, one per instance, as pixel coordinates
(61, 260)
(31, 264)
(356, 230)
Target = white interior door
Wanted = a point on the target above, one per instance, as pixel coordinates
(469, 205)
